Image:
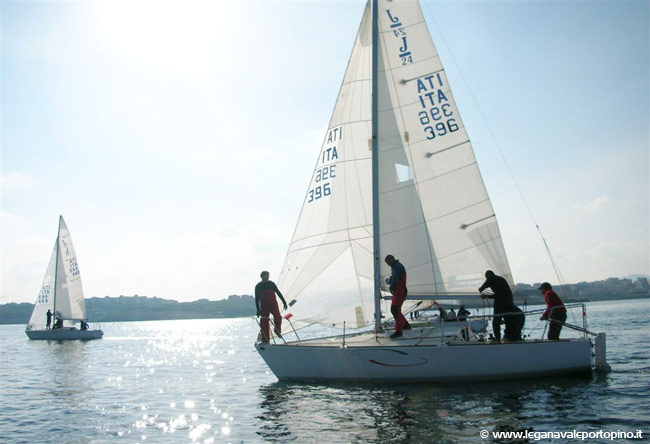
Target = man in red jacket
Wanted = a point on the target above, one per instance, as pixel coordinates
(267, 305)
(555, 311)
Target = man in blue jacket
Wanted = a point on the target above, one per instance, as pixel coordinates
(398, 289)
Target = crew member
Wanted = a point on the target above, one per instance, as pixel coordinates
(266, 304)
(503, 305)
(555, 311)
(397, 282)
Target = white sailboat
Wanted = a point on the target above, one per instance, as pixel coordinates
(397, 175)
(62, 295)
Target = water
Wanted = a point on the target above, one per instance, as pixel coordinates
(202, 381)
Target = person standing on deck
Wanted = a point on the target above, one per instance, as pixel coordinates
(49, 319)
(503, 304)
(266, 305)
(555, 311)
(397, 282)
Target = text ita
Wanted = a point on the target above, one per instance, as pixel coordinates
(321, 183)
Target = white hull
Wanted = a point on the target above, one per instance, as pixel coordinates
(64, 334)
(461, 361)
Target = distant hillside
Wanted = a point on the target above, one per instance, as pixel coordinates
(142, 308)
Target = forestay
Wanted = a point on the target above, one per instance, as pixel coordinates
(434, 213)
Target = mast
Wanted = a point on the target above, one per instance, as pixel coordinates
(56, 268)
(375, 166)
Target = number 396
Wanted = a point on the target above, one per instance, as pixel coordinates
(319, 191)
(441, 128)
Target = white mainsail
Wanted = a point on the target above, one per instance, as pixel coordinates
(69, 293)
(434, 212)
(61, 291)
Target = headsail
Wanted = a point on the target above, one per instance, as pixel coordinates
(328, 268)
(435, 214)
(45, 300)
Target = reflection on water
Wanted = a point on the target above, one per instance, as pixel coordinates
(202, 381)
(299, 412)
(407, 413)
(428, 413)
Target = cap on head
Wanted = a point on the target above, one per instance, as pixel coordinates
(264, 273)
(545, 286)
(389, 259)
(489, 274)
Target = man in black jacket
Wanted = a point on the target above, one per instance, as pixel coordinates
(503, 304)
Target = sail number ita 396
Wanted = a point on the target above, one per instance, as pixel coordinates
(326, 170)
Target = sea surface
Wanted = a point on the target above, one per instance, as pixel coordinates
(202, 381)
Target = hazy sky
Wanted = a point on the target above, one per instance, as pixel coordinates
(177, 139)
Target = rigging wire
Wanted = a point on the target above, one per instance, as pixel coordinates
(556, 269)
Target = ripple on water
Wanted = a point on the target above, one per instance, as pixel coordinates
(202, 381)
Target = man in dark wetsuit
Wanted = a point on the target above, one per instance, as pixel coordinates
(267, 304)
(397, 287)
(503, 304)
(49, 319)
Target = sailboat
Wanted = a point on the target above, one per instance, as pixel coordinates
(396, 174)
(61, 295)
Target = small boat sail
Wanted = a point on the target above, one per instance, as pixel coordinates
(396, 174)
(61, 296)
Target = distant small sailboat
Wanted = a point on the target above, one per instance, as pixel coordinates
(397, 174)
(62, 295)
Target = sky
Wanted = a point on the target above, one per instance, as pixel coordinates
(178, 138)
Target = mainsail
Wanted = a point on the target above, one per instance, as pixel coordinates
(434, 212)
(61, 291)
(69, 293)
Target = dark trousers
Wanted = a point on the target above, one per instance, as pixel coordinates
(496, 327)
(514, 325)
(556, 320)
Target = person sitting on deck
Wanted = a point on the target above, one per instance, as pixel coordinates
(58, 322)
(442, 313)
(463, 313)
